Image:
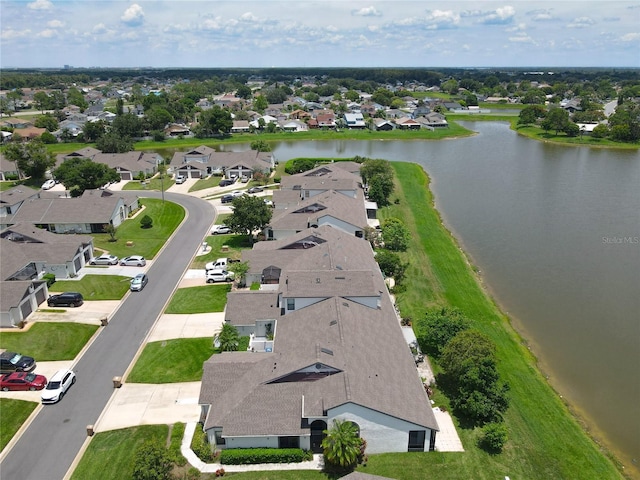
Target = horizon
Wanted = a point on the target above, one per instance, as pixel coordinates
(224, 34)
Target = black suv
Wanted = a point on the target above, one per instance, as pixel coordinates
(225, 182)
(14, 362)
(70, 299)
(227, 199)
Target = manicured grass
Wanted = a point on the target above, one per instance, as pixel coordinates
(110, 455)
(152, 184)
(235, 244)
(146, 241)
(209, 182)
(545, 440)
(287, 475)
(172, 361)
(95, 287)
(49, 341)
(204, 299)
(538, 133)
(13, 413)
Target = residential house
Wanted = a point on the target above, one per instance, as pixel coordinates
(354, 120)
(176, 130)
(421, 111)
(128, 164)
(407, 123)
(89, 213)
(12, 199)
(240, 126)
(321, 179)
(203, 161)
(382, 124)
(28, 133)
(326, 345)
(26, 254)
(433, 120)
(8, 169)
(293, 125)
(326, 119)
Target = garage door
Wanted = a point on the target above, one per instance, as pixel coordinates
(126, 175)
(26, 309)
(41, 295)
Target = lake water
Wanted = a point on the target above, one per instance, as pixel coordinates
(555, 232)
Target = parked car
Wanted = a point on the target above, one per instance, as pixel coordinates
(138, 282)
(66, 299)
(58, 386)
(220, 229)
(219, 275)
(227, 198)
(18, 381)
(15, 362)
(49, 184)
(255, 189)
(225, 182)
(220, 263)
(133, 261)
(237, 193)
(180, 179)
(104, 260)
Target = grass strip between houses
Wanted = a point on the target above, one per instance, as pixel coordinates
(203, 299)
(49, 341)
(95, 287)
(13, 413)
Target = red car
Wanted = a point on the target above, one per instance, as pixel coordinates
(22, 381)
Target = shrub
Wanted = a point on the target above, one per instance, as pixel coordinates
(152, 462)
(438, 327)
(201, 447)
(249, 456)
(50, 278)
(146, 222)
(494, 436)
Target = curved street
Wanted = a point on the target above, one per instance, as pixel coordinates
(49, 445)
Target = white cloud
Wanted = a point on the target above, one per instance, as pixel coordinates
(366, 12)
(581, 22)
(500, 16)
(99, 28)
(40, 5)
(248, 17)
(55, 24)
(630, 37)
(522, 38)
(439, 19)
(48, 33)
(10, 33)
(133, 16)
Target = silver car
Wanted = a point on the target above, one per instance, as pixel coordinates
(138, 282)
(133, 261)
(104, 260)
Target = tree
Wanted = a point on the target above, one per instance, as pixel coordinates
(341, 445)
(395, 235)
(47, 121)
(352, 95)
(244, 91)
(467, 347)
(240, 270)
(227, 339)
(152, 462)
(530, 114)
(127, 125)
(600, 131)
(48, 138)
(260, 103)
(572, 129)
(32, 159)
(557, 119)
(249, 214)
(112, 142)
(112, 231)
(80, 174)
(438, 327)
(75, 97)
(260, 146)
(494, 436)
(391, 265)
(146, 222)
(41, 101)
(378, 175)
(158, 118)
(214, 122)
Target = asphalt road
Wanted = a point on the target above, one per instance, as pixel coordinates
(48, 447)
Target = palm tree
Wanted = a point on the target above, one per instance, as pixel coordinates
(342, 444)
(227, 339)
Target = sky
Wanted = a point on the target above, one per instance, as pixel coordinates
(329, 33)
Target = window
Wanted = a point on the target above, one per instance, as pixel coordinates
(291, 303)
(416, 441)
(288, 442)
(219, 439)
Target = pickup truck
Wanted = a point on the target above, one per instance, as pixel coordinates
(220, 263)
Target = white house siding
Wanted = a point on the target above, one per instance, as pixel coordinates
(383, 433)
(340, 224)
(251, 442)
(302, 302)
(371, 302)
(348, 193)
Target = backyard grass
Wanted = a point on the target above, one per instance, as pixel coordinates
(110, 455)
(172, 361)
(147, 242)
(13, 413)
(177, 360)
(204, 299)
(95, 287)
(49, 341)
(545, 440)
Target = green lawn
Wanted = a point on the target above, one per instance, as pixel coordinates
(110, 455)
(545, 440)
(209, 182)
(13, 413)
(146, 241)
(49, 341)
(204, 299)
(95, 287)
(152, 184)
(235, 244)
(172, 361)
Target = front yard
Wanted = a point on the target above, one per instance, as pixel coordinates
(95, 287)
(13, 414)
(203, 299)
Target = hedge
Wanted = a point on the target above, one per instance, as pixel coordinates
(246, 456)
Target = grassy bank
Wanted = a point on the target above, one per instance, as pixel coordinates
(545, 441)
(49, 341)
(13, 414)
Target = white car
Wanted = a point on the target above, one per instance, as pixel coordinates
(237, 193)
(48, 184)
(58, 386)
(219, 275)
(180, 179)
(104, 260)
(133, 261)
(220, 230)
